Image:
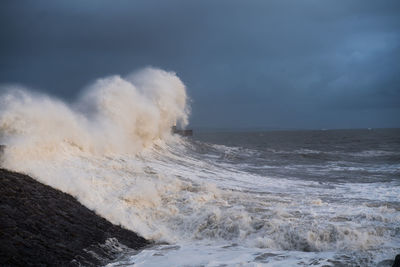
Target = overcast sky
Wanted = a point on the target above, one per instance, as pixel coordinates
(267, 64)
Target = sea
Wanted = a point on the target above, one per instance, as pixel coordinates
(278, 198)
(254, 198)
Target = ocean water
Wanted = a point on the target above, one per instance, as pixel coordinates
(281, 198)
(277, 198)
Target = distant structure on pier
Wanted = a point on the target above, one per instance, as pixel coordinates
(181, 132)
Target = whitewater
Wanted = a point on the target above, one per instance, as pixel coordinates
(221, 199)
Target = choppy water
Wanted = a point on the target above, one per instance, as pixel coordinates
(321, 198)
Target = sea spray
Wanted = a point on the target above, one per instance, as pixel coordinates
(114, 115)
(91, 148)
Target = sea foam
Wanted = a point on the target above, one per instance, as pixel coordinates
(113, 115)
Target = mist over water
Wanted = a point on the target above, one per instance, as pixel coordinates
(274, 198)
(113, 115)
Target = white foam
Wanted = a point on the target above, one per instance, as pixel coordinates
(114, 115)
(228, 254)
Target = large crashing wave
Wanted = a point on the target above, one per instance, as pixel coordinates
(115, 114)
(94, 149)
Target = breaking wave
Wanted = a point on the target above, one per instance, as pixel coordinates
(114, 115)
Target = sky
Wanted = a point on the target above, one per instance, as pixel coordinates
(270, 64)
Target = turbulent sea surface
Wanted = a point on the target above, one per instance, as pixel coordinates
(320, 198)
(280, 198)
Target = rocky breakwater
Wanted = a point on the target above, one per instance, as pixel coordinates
(41, 226)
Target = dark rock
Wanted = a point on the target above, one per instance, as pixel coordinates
(41, 226)
(396, 262)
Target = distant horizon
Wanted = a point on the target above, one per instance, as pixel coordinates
(266, 129)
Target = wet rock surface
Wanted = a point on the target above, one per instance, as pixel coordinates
(396, 262)
(41, 226)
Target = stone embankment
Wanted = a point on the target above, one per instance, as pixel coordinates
(41, 226)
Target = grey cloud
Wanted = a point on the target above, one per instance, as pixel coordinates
(255, 63)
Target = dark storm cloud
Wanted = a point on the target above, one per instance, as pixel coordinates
(290, 64)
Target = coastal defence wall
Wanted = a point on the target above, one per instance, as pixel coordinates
(43, 226)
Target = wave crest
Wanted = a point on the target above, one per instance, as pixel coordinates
(114, 115)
